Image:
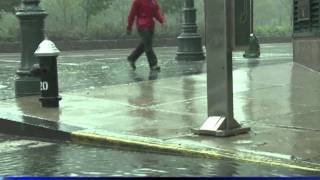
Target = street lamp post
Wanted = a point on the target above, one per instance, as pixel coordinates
(31, 17)
(253, 50)
(189, 42)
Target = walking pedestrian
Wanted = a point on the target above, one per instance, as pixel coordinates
(144, 12)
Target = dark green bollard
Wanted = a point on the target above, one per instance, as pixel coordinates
(189, 41)
(253, 50)
(47, 54)
(31, 17)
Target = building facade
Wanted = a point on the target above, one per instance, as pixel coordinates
(306, 33)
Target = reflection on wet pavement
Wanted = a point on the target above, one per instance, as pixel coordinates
(91, 69)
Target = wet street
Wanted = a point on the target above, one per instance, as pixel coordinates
(32, 157)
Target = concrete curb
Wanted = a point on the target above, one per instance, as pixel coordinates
(31, 130)
(194, 150)
(42, 129)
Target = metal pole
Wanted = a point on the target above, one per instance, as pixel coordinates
(251, 17)
(253, 50)
(221, 120)
(31, 18)
(189, 42)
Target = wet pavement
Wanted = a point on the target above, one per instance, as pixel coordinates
(90, 69)
(105, 103)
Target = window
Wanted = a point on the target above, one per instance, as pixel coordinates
(303, 10)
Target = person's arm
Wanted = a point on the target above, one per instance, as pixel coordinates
(132, 15)
(158, 14)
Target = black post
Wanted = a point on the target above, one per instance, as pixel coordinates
(253, 50)
(47, 54)
(31, 17)
(189, 42)
(251, 17)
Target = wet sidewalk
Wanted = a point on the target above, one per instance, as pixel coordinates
(278, 99)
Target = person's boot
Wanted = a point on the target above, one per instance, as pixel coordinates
(132, 64)
(155, 68)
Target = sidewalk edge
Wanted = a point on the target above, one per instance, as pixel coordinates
(185, 149)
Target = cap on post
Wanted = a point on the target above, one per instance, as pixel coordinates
(47, 48)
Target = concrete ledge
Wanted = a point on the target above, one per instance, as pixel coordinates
(176, 147)
(29, 130)
(306, 52)
(25, 125)
(10, 47)
(194, 150)
(14, 47)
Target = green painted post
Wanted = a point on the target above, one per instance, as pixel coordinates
(31, 17)
(253, 49)
(241, 23)
(189, 42)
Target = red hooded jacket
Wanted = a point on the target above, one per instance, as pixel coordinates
(144, 12)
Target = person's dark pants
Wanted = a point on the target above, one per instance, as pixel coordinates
(145, 46)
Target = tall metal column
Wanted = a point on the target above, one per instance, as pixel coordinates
(221, 120)
(189, 42)
(31, 17)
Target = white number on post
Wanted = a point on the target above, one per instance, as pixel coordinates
(44, 86)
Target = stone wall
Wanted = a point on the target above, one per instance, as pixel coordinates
(14, 47)
(306, 51)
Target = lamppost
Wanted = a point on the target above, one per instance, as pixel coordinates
(253, 50)
(31, 17)
(189, 42)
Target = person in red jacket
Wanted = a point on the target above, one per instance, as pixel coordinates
(144, 12)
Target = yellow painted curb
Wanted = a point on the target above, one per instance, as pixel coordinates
(150, 144)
